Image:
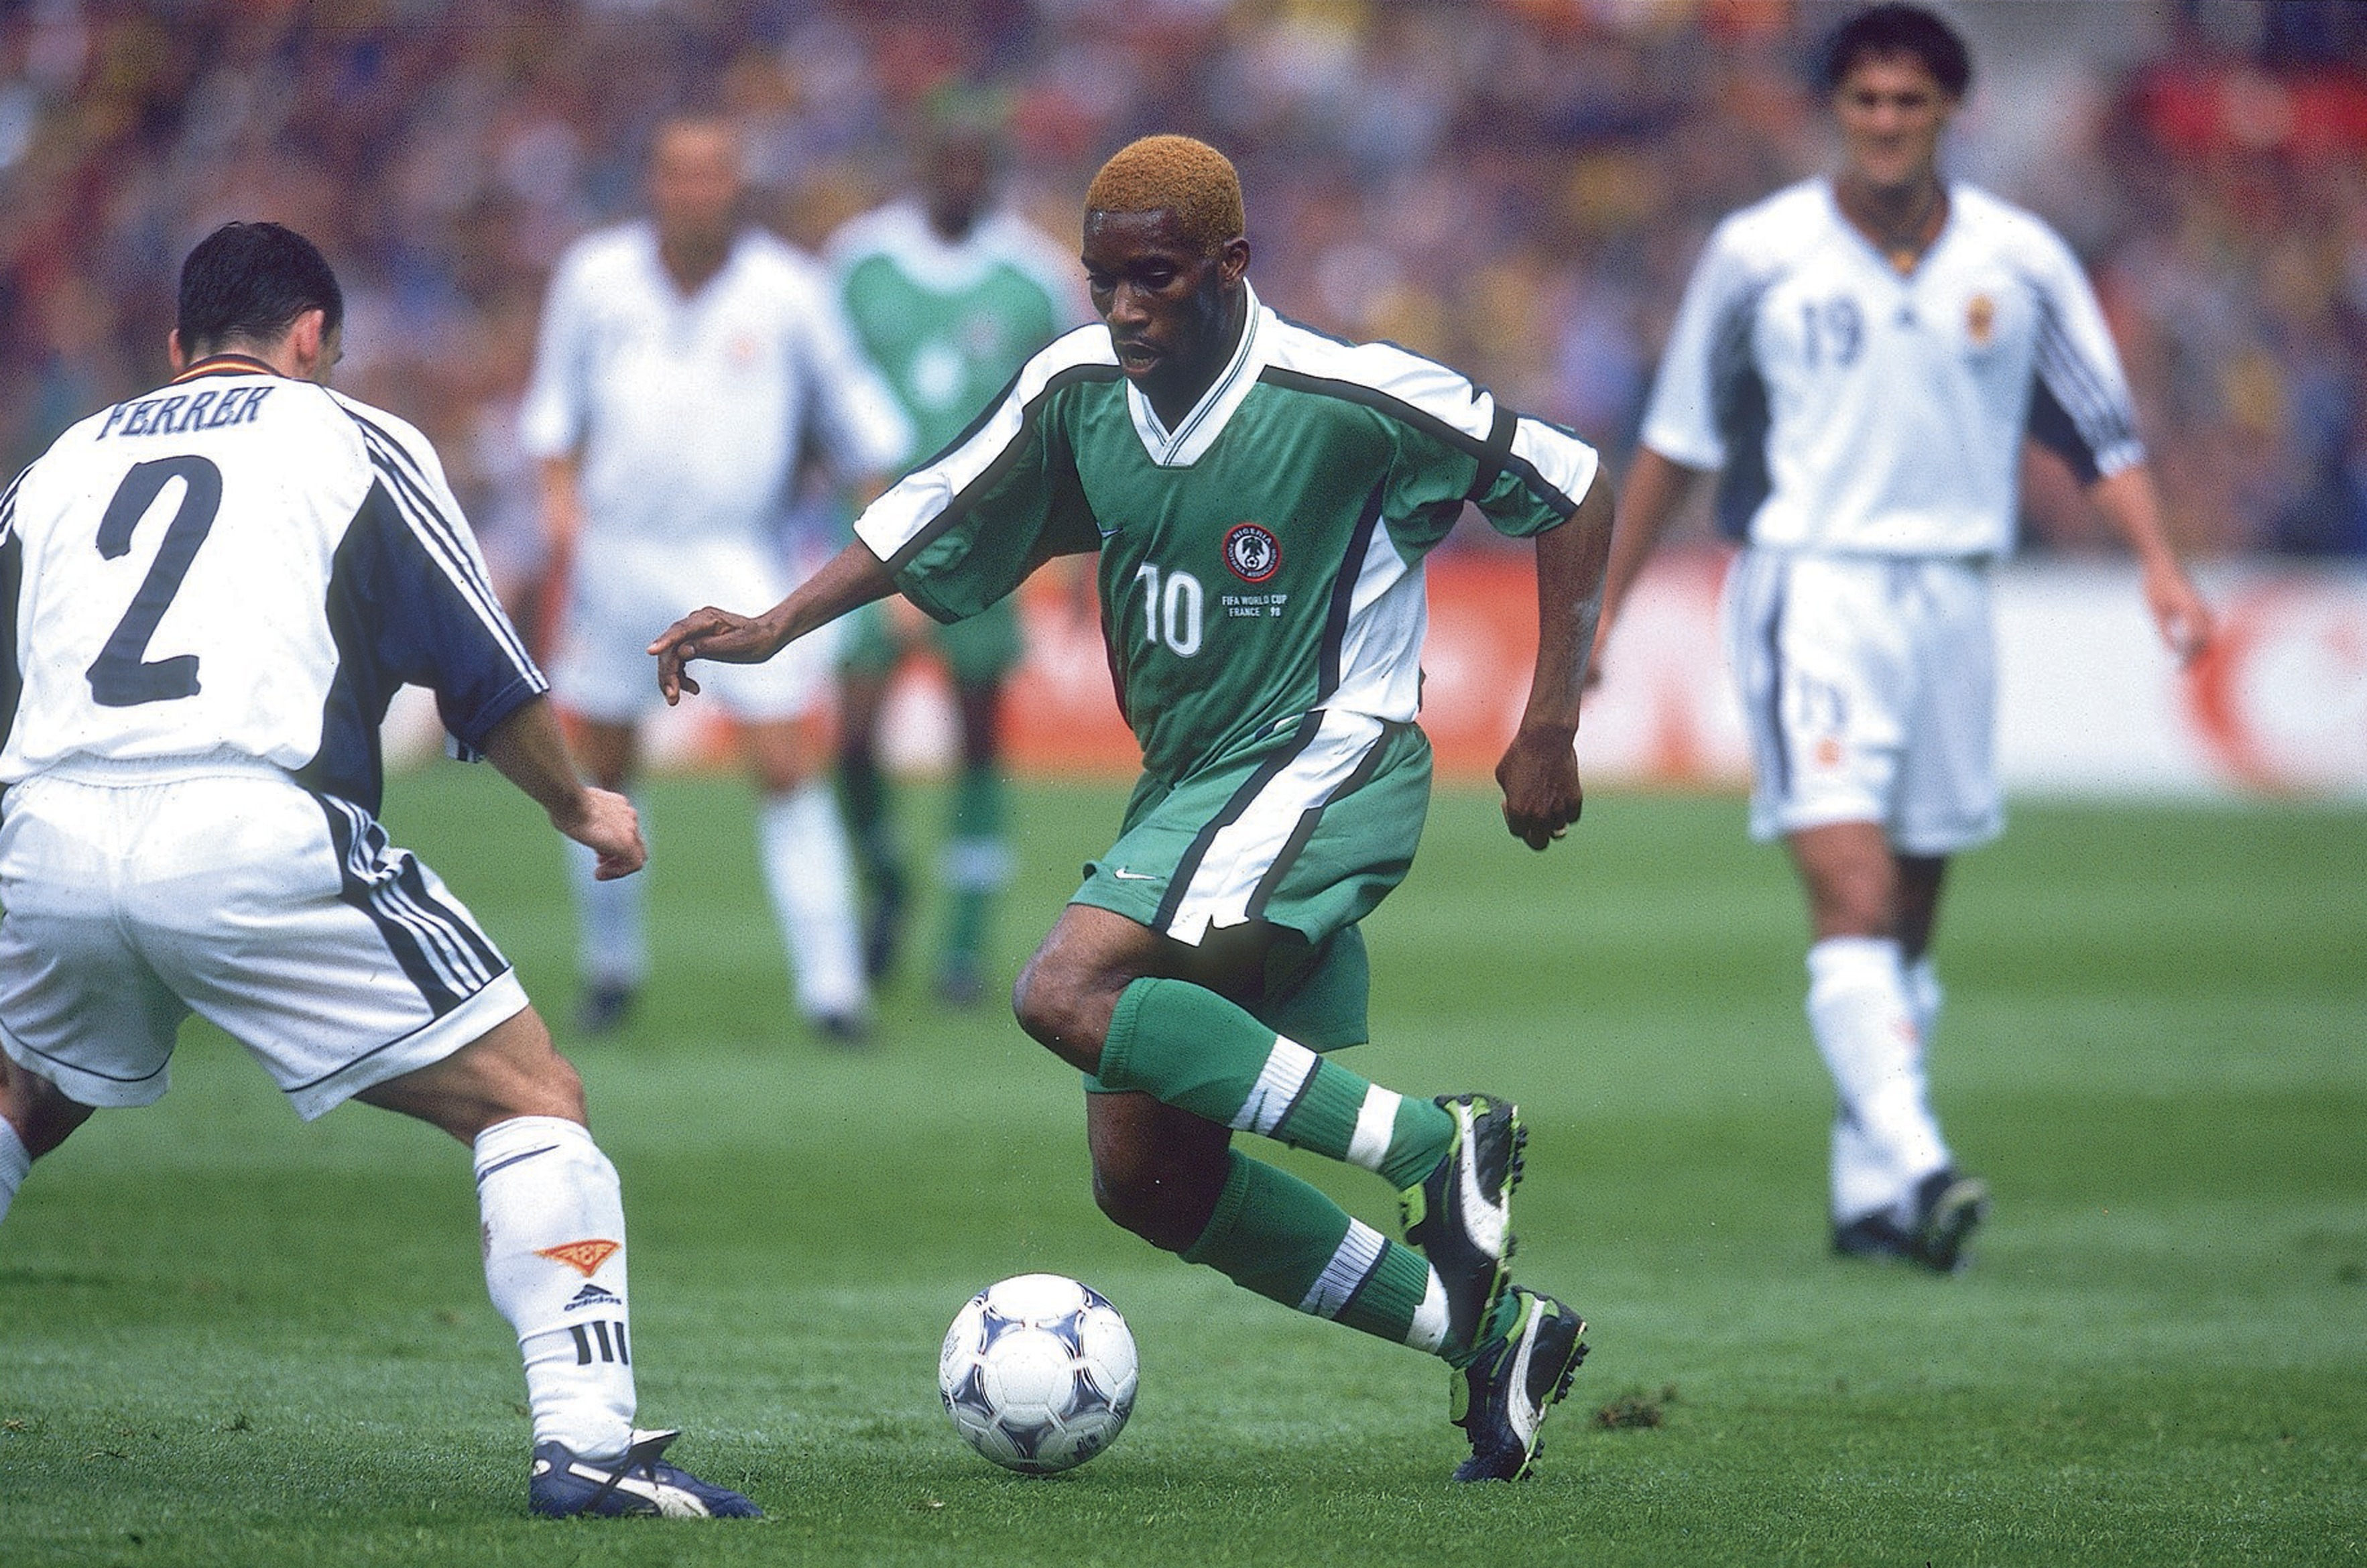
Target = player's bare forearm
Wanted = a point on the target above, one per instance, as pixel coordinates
(1539, 771)
(853, 578)
(2130, 502)
(1655, 487)
(531, 753)
(562, 502)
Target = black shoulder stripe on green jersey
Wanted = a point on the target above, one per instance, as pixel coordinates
(1500, 446)
(1344, 598)
(1004, 459)
(1429, 424)
(1189, 865)
(1304, 829)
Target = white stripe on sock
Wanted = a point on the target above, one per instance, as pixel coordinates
(1287, 1070)
(1427, 1331)
(1376, 1123)
(1358, 1255)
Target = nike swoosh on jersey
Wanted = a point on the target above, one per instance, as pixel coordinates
(1125, 876)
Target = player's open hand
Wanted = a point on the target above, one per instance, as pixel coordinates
(709, 633)
(1539, 778)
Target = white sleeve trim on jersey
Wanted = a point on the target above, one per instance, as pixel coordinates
(899, 520)
(1559, 465)
(415, 481)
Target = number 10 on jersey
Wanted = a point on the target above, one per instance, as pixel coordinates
(1170, 609)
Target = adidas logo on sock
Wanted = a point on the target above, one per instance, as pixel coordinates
(593, 1296)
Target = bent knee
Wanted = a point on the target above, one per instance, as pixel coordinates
(1166, 1211)
(1062, 1011)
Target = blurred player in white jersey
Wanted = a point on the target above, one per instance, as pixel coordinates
(949, 296)
(684, 362)
(207, 596)
(1863, 356)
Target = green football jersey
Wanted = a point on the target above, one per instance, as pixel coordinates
(949, 323)
(1261, 559)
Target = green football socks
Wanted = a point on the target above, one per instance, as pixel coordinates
(978, 862)
(1187, 1047)
(1276, 1235)
(866, 795)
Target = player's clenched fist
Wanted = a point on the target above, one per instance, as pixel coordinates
(1539, 778)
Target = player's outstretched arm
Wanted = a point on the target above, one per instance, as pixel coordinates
(2129, 499)
(853, 578)
(531, 753)
(1539, 771)
(1655, 487)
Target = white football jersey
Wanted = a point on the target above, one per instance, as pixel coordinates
(690, 412)
(1855, 408)
(242, 562)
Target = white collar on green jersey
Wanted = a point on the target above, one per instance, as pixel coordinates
(1197, 430)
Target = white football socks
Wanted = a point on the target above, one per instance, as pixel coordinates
(610, 948)
(554, 1235)
(1886, 1139)
(1925, 996)
(16, 1163)
(812, 886)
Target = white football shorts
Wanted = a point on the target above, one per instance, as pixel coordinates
(621, 596)
(1868, 683)
(136, 897)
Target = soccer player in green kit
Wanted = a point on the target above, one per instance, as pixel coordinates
(948, 295)
(1261, 497)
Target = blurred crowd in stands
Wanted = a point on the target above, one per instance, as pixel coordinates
(1518, 186)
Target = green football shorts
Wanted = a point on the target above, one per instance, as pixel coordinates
(1307, 829)
(979, 651)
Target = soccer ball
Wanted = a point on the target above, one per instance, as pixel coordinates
(1039, 1373)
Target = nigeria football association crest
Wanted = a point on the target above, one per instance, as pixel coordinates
(1252, 552)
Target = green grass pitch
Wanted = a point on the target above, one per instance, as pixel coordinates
(226, 1338)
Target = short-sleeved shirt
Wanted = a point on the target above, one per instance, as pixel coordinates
(1261, 559)
(240, 563)
(949, 323)
(1855, 408)
(690, 412)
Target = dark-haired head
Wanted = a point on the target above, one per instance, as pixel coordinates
(1894, 30)
(246, 284)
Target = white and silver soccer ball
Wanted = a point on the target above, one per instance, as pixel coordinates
(1039, 1373)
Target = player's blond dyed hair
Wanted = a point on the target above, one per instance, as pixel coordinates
(1178, 174)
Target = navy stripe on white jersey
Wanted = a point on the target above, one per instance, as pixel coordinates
(439, 947)
(2099, 412)
(451, 547)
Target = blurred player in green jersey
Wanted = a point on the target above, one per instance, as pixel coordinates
(949, 296)
(1261, 498)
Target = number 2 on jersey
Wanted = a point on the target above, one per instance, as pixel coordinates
(118, 677)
